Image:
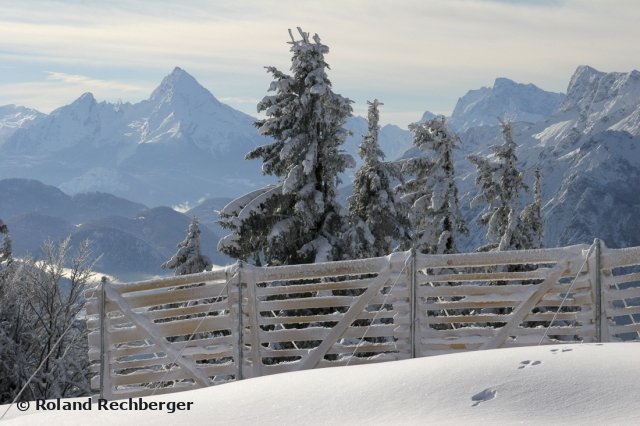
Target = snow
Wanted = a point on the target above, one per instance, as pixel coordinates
(564, 384)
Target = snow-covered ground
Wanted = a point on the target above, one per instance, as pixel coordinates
(564, 384)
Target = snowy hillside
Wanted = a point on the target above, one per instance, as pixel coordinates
(179, 145)
(586, 384)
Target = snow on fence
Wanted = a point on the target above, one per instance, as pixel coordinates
(241, 321)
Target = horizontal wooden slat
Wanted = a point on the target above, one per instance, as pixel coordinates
(221, 274)
(329, 269)
(521, 291)
(307, 288)
(319, 333)
(306, 319)
(484, 332)
(223, 341)
(126, 336)
(615, 258)
(521, 257)
(465, 319)
(560, 316)
(464, 304)
(164, 297)
(628, 328)
(174, 328)
(538, 274)
(622, 294)
(348, 360)
(336, 349)
(143, 376)
(620, 312)
(317, 302)
(135, 392)
(625, 278)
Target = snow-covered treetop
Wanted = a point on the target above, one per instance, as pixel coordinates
(5, 249)
(297, 220)
(189, 258)
(369, 149)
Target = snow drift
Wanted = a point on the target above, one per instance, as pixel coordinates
(563, 384)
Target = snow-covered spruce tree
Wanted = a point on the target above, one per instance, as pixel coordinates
(5, 249)
(377, 219)
(500, 187)
(532, 233)
(189, 258)
(432, 192)
(298, 219)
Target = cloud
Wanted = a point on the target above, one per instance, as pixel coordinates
(95, 84)
(413, 55)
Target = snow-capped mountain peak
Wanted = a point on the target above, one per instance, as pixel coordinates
(180, 144)
(180, 86)
(602, 101)
(14, 117)
(508, 100)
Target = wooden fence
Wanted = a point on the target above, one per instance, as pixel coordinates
(241, 321)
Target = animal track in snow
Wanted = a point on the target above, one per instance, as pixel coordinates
(555, 351)
(486, 395)
(527, 363)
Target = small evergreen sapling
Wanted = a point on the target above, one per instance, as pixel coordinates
(189, 258)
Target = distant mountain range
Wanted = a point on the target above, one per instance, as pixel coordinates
(183, 145)
(132, 239)
(179, 145)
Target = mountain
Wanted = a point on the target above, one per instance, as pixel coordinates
(131, 239)
(13, 117)
(588, 150)
(393, 140)
(179, 145)
(24, 196)
(507, 100)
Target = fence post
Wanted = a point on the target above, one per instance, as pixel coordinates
(413, 301)
(240, 359)
(102, 313)
(598, 289)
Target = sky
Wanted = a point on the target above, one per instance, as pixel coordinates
(413, 55)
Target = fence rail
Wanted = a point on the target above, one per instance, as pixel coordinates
(241, 321)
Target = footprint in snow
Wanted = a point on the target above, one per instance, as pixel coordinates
(527, 363)
(555, 351)
(486, 395)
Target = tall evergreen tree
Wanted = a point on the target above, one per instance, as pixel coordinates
(501, 185)
(5, 249)
(297, 220)
(377, 218)
(531, 218)
(189, 258)
(432, 192)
